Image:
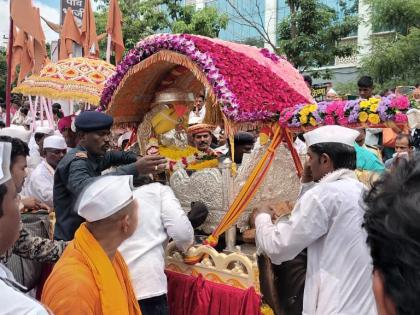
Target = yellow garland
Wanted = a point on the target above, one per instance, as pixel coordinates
(266, 310)
(54, 94)
(176, 154)
(202, 165)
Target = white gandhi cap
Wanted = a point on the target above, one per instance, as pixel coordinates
(55, 142)
(105, 196)
(333, 133)
(5, 151)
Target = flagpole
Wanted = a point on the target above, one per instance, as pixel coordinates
(108, 49)
(9, 74)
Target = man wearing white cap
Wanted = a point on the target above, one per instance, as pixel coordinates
(12, 298)
(327, 220)
(41, 182)
(35, 146)
(91, 277)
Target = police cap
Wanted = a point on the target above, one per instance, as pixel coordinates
(93, 121)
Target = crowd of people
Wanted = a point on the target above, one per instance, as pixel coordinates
(113, 219)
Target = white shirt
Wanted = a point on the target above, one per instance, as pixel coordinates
(14, 302)
(327, 219)
(40, 183)
(197, 119)
(160, 216)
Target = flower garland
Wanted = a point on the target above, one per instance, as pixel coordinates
(373, 111)
(189, 158)
(246, 90)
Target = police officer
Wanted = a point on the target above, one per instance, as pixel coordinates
(85, 162)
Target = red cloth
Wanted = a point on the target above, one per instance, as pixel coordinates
(188, 295)
(46, 271)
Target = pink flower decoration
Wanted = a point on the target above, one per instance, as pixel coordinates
(329, 120)
(246, 90)
(400, 102)
(400, 118)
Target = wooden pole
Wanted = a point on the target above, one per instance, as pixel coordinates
(9, 74)
(108, 49)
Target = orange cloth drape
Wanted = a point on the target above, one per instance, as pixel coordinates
(69, 33)
(114, 28)
(254, 181)
(88, 34)
(29, 50)
(86, 281)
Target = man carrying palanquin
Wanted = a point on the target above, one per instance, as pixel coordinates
(327, 220)
(88, 160)
(91, 277)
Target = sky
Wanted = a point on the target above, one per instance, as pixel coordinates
(50, 9)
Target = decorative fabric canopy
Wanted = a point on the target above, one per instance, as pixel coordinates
(246, 83)
(74, 78)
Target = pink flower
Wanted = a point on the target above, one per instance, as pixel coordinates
(400, 102)
(329, 120)
(343, 121)
(400, 118)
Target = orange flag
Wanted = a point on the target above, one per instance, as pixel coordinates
(69, 33)
(30, 44)
(24, 16)
(27, 59)
(88, 36)
(17, 51)
(114, 28)
(40, 49)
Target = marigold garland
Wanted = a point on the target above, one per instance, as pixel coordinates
(189, 158)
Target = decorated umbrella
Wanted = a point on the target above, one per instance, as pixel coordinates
(246, 87)
(73, 79)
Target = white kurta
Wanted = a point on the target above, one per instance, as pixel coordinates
(327, 220)
(14, 302)
(160, 217)
(40, 184)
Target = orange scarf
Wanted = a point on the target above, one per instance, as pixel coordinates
(114, 299)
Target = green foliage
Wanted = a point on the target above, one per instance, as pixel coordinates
(142, 18)
(395, 60)
(399, 15)
(310, 35)
(206, 22)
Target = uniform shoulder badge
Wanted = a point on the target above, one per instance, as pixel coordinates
(81, 155)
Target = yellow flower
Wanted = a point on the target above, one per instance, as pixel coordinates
(303, 119)
(304, 111)
(313, 107)
(312, 121)
(364, 104)
(363, 116)
(374, 119)
(374, 100)
(374, 107)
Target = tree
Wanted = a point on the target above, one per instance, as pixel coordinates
(142, 18)
(395, 60)
(310, 35)
(206, 22)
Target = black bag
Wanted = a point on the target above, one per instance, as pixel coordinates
(28, 272)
